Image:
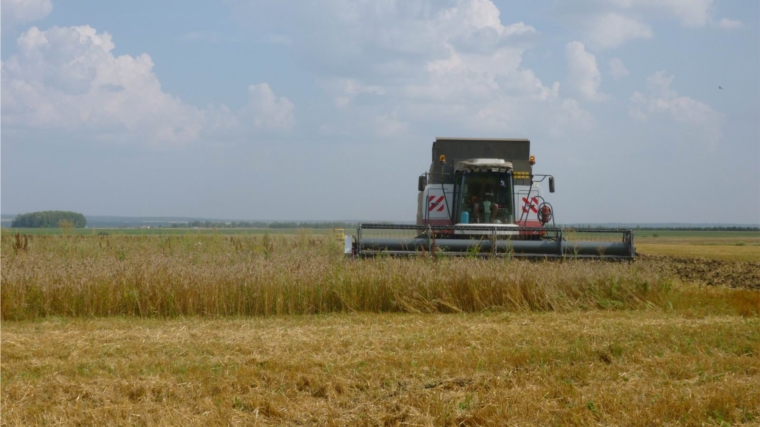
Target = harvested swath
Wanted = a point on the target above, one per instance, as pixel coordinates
(582, 368)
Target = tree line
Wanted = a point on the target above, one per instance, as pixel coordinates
(262, 224)
(49, 219)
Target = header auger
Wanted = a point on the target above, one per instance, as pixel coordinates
(481, 197)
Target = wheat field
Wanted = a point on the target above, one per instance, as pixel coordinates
(230, 276)
(282, 330)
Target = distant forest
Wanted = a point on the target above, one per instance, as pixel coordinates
(322, 225)
(49, 219)
(716, 228)
(262, 224)
(52, 219)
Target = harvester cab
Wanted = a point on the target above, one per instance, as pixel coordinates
(480, 196)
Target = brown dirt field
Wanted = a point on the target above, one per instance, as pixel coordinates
(712, 272)
(750, 253)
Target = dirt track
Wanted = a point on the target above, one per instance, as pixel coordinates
(735, 274)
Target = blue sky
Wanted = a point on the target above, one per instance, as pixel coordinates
(296, 110)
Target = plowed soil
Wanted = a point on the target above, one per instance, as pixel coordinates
(734, 274)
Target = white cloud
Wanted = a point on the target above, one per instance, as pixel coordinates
(487, 91)
(612, 30)
(265, 110)
(583, 76)
(452, 64)
(607, 24)
(412, 26)
(475, 77)
(617, 68)
(17, 12)
(691, 13)
(572, 116)
(68, 78)
(345, 90)
(471, 24)
(555, 116)
(661, 100)
(387, 125)
(728, 24)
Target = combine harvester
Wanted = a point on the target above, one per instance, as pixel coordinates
(481, 197)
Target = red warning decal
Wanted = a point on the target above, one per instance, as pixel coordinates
(530, 206)
(432, 205)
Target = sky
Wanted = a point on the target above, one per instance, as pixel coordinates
(643, 110)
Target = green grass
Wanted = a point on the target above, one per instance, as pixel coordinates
(749, 253)
(694, 234)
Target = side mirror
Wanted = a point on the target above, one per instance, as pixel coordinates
(551, 184)
(422, 183)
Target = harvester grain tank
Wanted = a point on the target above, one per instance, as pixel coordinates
(481, 197)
